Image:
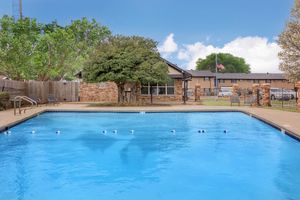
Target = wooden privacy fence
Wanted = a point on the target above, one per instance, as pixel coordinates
(14, 88)
(67, 91)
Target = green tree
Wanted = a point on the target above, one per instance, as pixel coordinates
(231, 63)
(126, 60)
(31, 50)
(87, 35)
(289, 41)
(55, 56)
(18, 41)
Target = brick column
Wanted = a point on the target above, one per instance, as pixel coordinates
(266, 94)
(298, 95)
(235, 89)
(255, 88)
(197, 92)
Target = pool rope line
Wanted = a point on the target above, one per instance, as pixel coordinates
(288, 132)
(115, 131)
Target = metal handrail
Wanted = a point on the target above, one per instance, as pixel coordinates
(26, 99)
(19, 99)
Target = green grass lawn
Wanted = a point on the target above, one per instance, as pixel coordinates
(124, 105)
(215, 102)
(276, 105)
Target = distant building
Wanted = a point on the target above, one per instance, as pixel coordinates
(182, 85)
(206, 79)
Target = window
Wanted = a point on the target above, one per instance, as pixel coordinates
(233, 81)
(167, 89)
(221, 81)
(170, 90)
(206, 78)
(161, 90)
(268, 81)
(255, 81)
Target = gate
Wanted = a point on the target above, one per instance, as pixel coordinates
(67, 91)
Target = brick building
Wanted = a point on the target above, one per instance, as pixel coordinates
(206, 80)
(183, 84)
(174, 91)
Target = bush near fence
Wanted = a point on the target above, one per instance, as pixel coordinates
(4, 100)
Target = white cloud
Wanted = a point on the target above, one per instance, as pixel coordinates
(258, 52)
(169, 46)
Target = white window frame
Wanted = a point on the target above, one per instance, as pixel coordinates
(156, 88)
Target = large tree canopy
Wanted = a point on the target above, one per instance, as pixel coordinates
(18, 41)
(289, 41)
(126, 60)
(231, 63)
(32, 50)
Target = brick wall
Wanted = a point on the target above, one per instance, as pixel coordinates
(100, 92)
(201, 81)
(177, 97)
(108, 92)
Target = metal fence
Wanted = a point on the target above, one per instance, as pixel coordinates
(283, 98)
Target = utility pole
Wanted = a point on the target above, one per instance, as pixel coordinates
(20, 9)
(17, 9)
(216, 77)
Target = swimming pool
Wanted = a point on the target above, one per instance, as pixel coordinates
(161, 156)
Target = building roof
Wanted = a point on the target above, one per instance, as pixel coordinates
(250, 76)
(202, 73)
(185, 73)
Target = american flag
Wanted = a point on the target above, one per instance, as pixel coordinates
(220, 66)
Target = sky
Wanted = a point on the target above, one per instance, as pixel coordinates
(186, 30)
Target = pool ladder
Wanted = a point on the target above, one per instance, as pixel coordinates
(18, 103)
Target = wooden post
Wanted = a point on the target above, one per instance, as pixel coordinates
(197, 92)
(255, 91)
(297, 86)
(266, 94)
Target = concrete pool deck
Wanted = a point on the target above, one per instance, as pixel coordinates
(286, 121)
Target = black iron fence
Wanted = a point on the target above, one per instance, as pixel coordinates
(283, 98)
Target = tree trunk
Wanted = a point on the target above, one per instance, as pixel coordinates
(120, 93)
(133, 93)
(151, 93)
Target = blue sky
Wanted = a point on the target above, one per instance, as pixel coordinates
(215, 23)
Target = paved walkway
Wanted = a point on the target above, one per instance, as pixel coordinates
(288, 121)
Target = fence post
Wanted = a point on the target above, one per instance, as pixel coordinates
(297, 86)
(266, 94)
(255, 91)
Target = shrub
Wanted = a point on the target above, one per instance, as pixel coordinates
(4, 100)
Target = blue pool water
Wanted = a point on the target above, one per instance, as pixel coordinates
(251, 161)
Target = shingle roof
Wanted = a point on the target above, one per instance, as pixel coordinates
(250, 76)
(202, 73)
(257, 76)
